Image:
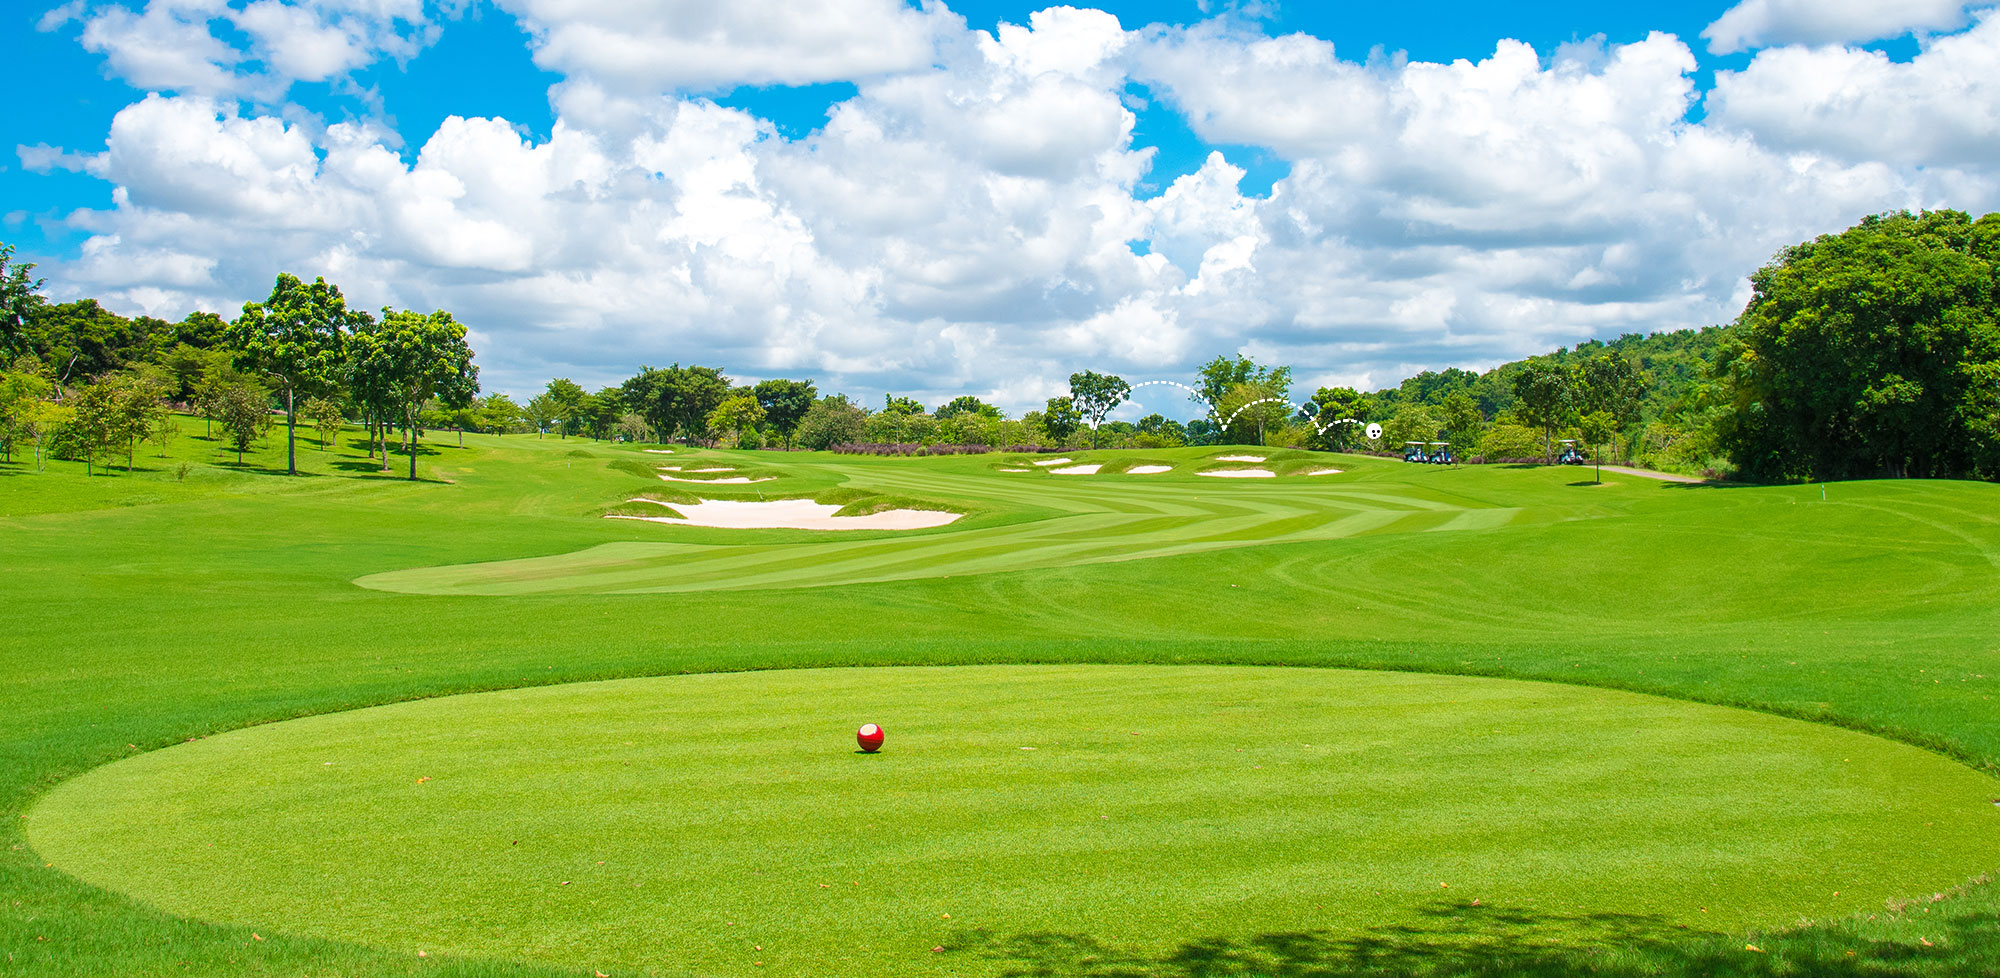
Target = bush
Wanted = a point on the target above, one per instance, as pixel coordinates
(1511, 441)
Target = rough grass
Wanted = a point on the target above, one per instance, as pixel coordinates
(144, 609)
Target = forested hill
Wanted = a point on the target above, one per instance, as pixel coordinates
(1673, 364)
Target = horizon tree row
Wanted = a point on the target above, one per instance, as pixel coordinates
(81, 380)
(1873, 351)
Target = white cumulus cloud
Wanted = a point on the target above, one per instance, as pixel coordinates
(668, 45)
(978, 217)
(1763, 23)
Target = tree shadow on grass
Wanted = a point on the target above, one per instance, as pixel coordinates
(1485, 942)
(255, 468)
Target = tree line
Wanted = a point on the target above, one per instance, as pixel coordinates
(1873, 351)
(83, 383)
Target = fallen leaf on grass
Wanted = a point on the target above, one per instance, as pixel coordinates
(422, 780)
(938, 950)
(1927, 941)
(1753, 947)
(256, 937)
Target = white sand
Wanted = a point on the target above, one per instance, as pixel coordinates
(724, 468)
(736, 481)
(1321, 472)
(1013, 470)
(660, 451)
(1076, 470)
(1055, 461)
(1241, 474)
(792, 514)
(1149, 469)
(1239, 458)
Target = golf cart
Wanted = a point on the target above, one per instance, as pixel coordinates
(1413, 451)
(1572, 454)
(1441, 453)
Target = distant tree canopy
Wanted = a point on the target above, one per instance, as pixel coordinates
(1875, 351)
(1871, 352)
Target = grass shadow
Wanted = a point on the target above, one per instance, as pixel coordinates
(253, 468)
(1487, 942)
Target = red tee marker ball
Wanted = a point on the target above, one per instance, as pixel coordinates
(869, 737)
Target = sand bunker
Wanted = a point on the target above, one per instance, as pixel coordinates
(791, 514)
(1055, 461)
(1013, 470)
(1239, 458)
(1241, 474)
(1149, 469)
(1076, 470)
(1321, 472)
(659, 451)
(734, 481)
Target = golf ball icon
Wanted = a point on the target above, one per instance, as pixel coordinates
(869, 737)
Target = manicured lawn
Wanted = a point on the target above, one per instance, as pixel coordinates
(689, 821)
(148, 608)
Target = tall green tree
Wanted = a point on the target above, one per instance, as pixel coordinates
(602, 410)
(97, 423)
(1222, 374)
(1875, 351)
(499, 414)
(688, 395)
(1545, 398)
(737, 414)
(831, 421)
(324, 414)
(568, 396)
(1609, 384)
(22, 389)
(1096, 395)
(1462, 420)
(139, 412)
(540, 412)
(1333, 405)
(1060, 419)
(677, 400)
(785, 403)
(243, 408)
(966, 404)
(296, 338)
(421, 356)
(19, 297)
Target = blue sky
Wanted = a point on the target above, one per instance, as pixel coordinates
(981, 220)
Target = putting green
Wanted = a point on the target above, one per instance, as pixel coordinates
(723, 824)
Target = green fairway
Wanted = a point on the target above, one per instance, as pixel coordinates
(1084, 520)
(148, 608)
(692, 820)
